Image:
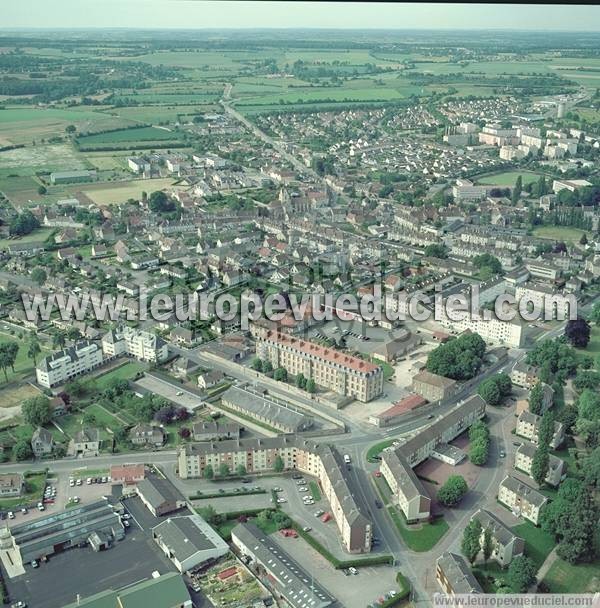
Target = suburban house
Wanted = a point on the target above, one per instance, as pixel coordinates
(209, 379)
(147, 434)
(215, 431)
(11, 485)
(85, 442)
(41, 442)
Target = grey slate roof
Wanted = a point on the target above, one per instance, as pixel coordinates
(458, 573)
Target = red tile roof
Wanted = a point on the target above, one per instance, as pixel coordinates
(328, 354)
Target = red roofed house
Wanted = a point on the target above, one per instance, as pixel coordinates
(127, 474)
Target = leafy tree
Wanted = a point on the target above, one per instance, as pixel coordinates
(516, 193)
(595, 315)
(436, 250)
(223, 469)
(490, 392)
(578, 537)
(22, 450)
(479, 443)
(536, 399)
(280, 374)
(586, 379)
(452, 492)
(36, 411)
(471, 540)
(539, 465)
(488, 265)
(521, 574)
(267, 367)
(300, 381)
(583, 240)
(88, 418)
(257, 364)
(311, 386)
(208, 472)
(8, 356)
(23, 223)
(278, 465)
(33, 348)
(588, 405)
(555, 358)
(487, 545)
(240, 470)
(159, 202)
(184, 432)
(591, 468)
(42, 190)
(577, 332)
(459, 359)
(546, 430)
(58, 339)
(70, 129)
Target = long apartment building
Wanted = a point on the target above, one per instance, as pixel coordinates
(329, 368)
(68, 363)
(396, 465)
(320, 461)
(142, 345)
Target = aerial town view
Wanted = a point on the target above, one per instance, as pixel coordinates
(299, 304)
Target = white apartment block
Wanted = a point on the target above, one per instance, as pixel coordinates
(545, 299)
(63, 365)
(329, 368)
(521, 499)
(492, 330)
(142, 345)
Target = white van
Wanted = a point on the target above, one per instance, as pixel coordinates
(347, 459)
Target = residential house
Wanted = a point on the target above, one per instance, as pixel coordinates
(41, 442)
(147, 434)
(85, 442)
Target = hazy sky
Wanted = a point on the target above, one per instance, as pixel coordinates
(202, 14)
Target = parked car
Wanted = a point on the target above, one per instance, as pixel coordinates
(34, 564)
(378, 503)
(377, 473)
(281, 500)
(11, 515)
(353, 570)
(24, 510)
(307, 528)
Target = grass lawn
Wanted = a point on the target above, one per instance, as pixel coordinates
(11, 396)
(565, 578)
(424, 537)
(559, 233)
(103, 417)
(508, 178)
(23, 364)
(124, 372)
(314, 490)
(376, 449)
(34, 489)
(538, 543)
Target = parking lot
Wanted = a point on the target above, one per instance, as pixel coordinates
(354, 591)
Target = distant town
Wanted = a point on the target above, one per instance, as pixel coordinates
(312, 460)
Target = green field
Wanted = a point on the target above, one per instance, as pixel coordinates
(538, 543)
(124, 372)
(422, 537)
(567, 578)
(23, 365)
(130, 135)
(559, 233)
(112, 193)
(508, 178)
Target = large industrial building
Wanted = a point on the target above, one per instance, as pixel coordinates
(188, 541)
(96, 524)
(329, 368)
(296, 453)
(396, 465)
(282, 574)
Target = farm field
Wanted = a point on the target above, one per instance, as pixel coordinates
(24, 125)
(129, 135)
(119, 192)
(47, 158)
